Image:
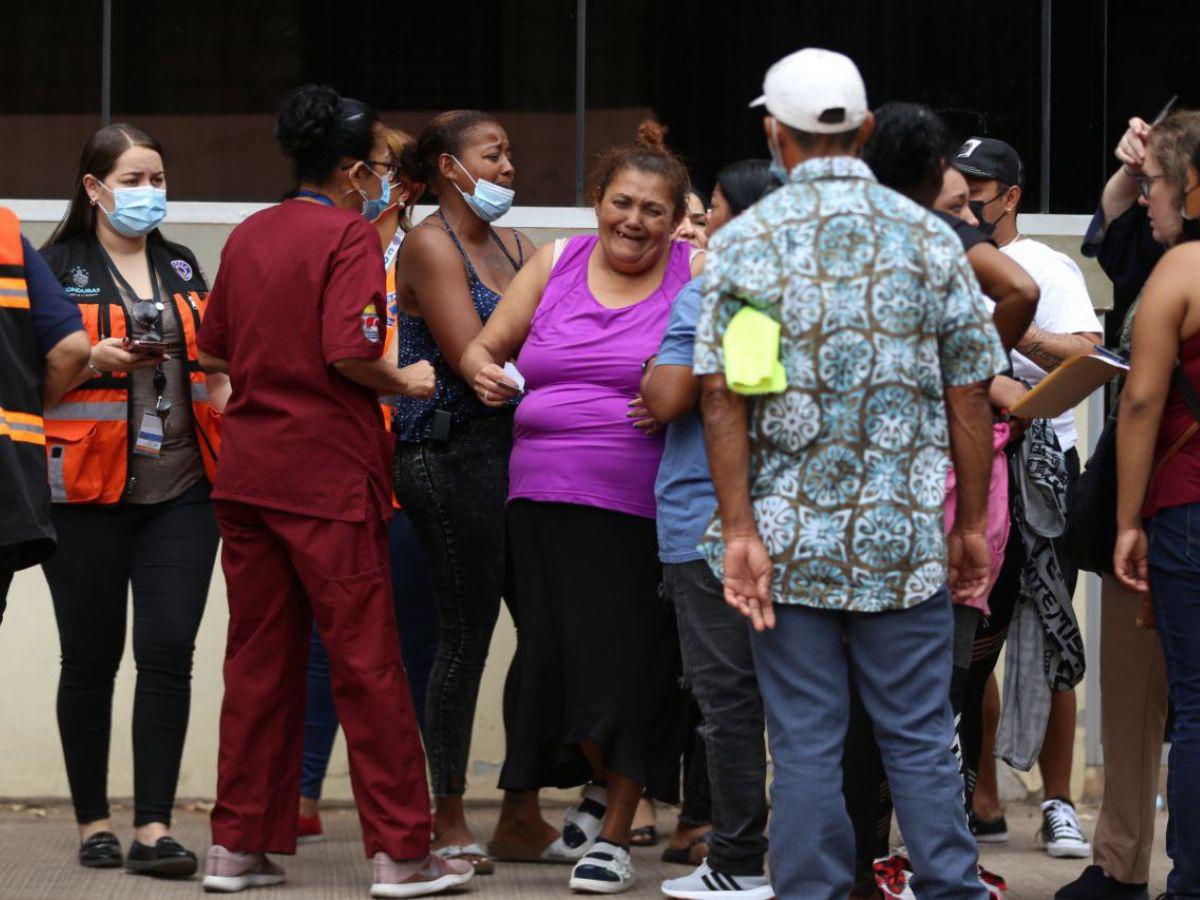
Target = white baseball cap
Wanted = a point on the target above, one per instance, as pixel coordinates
(814, 90)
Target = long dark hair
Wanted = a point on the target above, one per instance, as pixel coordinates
(99, 158)
(745, 183)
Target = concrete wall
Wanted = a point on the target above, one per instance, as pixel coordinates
(29, 742)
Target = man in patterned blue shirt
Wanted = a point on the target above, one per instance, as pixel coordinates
(830, 533)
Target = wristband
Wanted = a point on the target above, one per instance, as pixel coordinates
(94, 369)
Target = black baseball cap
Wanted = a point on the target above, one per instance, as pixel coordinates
(989, 158)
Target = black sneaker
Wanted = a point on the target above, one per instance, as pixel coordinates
(101, 851)
(1061, 832)
(1093, 884)
(166, 859)
(994, 831)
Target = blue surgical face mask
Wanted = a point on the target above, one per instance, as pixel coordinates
(137, 210)
(489, 201)
(373, 209)
(777, 168)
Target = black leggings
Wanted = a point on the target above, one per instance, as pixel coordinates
(166, 551)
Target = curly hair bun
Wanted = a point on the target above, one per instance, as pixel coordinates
(308, 120)
(652, 136)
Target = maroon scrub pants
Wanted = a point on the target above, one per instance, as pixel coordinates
(282, 571)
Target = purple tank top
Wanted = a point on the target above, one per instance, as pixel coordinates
(582, 363)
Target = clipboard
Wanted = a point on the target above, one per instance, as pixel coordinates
(1070, 384)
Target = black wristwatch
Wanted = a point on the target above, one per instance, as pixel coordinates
(646, 362)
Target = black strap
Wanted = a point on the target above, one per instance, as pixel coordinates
(1187, 391)
(124, 285)
(471, 273)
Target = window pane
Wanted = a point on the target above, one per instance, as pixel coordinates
(212, 87)
(695, 67)
(49, 95)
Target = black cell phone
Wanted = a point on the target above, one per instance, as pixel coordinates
(440, 429)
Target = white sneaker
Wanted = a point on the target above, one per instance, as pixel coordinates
(1061, 832)
(606, 869)
(705, 884)
(227, 871)
(581, 825)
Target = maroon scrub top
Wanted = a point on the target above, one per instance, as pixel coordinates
(300, 286)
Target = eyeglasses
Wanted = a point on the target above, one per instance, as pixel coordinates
(1145, 183)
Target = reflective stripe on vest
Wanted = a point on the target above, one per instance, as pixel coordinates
(13, 294)
(58, 483)
(100, 411)
(24, 428)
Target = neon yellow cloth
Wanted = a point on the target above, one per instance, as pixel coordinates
(751, 346)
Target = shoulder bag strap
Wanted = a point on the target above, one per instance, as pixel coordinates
(1192, 400)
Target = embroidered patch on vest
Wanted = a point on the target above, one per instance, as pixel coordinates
(182, 268)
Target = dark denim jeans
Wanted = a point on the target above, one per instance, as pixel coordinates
(718, 666)
(454, 493)
(1174, 563)
(416, 621)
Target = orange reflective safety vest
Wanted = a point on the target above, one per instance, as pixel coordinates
(24, 501)
(393, 311)
(89, 435)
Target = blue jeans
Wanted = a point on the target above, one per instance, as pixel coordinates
(1174, 563)
(900, 663)
(417, 622)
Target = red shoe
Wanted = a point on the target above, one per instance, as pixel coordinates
(310, 831)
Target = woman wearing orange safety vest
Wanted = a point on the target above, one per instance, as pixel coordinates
(131, 451)
(412, 594)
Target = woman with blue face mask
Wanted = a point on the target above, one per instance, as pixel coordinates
(451, 466)
(132, 449)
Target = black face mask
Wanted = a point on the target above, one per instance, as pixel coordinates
(987, 229)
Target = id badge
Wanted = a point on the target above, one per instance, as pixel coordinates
(149, 436)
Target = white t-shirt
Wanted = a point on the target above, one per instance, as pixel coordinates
(1064, 308)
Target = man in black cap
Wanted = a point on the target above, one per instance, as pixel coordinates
(1065, 325)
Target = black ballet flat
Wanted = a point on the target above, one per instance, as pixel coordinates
(101, 851)
(166, 859)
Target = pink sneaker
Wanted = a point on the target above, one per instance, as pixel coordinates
(226, 871)
(418, 878)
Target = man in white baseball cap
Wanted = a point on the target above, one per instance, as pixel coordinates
(830, 486)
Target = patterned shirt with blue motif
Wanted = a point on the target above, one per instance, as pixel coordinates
(879, 313)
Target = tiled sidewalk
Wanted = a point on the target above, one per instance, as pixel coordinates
(37, 855)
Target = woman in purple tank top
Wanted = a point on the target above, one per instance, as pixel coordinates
(597, 659)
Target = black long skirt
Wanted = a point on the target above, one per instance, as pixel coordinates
(597, 651)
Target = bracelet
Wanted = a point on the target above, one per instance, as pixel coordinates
(92, 366)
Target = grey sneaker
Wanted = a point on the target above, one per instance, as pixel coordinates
(705, 884)
(227, 871)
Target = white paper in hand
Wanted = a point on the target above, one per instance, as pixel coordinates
(514, 376)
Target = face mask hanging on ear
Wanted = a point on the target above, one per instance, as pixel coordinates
(373, 209)
(777, 168)
(136, 211)
(489, 201)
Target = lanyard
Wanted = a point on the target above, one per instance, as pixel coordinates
(313, 195)
(124, 285)
(389, 255)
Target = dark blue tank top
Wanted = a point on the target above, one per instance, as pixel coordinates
(414, 417)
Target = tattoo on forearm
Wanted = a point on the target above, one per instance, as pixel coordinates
(1038, 352)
